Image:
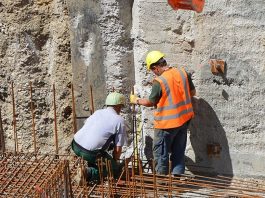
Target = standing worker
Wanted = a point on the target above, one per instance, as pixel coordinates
(102, 128)
(171, 94)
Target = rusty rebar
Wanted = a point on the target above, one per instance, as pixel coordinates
(170, 180)
(14, 117)
(33, 119)
(55, 121)
(92, 109)
(154, 179)
(2, 137)
(142, 179)
(24, 175)
(100, 168)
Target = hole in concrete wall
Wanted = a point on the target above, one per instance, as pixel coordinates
(67, 112)
(41, 40)
(22, 3)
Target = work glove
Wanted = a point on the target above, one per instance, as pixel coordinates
(133, 99)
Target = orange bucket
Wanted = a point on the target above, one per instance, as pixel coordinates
(196, 5)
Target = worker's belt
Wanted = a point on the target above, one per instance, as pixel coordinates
(90, 156)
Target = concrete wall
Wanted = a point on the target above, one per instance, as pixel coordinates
(229, 109)
(109, 42)
(102, 53)
(35, 47)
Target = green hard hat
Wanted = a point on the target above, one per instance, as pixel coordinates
(115, 98)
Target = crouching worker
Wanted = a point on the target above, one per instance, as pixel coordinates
(100, 130)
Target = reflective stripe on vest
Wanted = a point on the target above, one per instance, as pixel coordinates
(173, 114)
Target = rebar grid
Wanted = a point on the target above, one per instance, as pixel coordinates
(55, 176)
(136, 183)
(30, 175)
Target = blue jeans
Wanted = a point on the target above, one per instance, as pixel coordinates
(170, 144)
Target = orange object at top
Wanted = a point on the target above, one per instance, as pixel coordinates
(196, 5)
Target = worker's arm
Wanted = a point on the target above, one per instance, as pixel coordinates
(117, 152)
(153, 99)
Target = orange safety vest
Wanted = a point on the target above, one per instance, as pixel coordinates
(174, 107)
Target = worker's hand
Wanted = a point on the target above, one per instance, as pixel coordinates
(133, 99)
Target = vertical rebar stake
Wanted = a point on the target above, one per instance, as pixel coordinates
(14, 118)
(154, 180)
(127, 175)
(100, 169)
(33, 119)
(111, 178)
(142, 179)
(55, 121)
(135, 138)
(73, 109)
(133, 176)
(170, 181)
(2, 137)
(92, 110)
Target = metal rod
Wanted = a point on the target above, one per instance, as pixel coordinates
(73, 108)
(55, 121)
(111, 178)
(100, 168)
(69, 179)
(127, 174)
(135, 136)
(2, 137)
(154, 179)
(65, 177)
(142, 179)
(133, 175)
(170, 180)
(14, 118)
(82, 169)
(108, 177)
(92, 110)
(33, 119)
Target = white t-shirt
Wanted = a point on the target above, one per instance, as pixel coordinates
(98, 129)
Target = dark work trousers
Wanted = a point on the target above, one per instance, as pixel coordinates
(91, 157)
(170, 144)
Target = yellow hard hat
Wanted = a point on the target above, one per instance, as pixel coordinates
(153, 57)
(115, 98)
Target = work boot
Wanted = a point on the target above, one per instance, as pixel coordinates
(92, 175)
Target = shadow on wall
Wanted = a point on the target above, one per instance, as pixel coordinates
(207, 136)
(148, 151)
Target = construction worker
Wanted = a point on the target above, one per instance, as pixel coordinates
(102, 128)
(171, 94)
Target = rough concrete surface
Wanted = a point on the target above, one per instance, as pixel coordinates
(35, 47)
(109, 42)
(229, 108)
